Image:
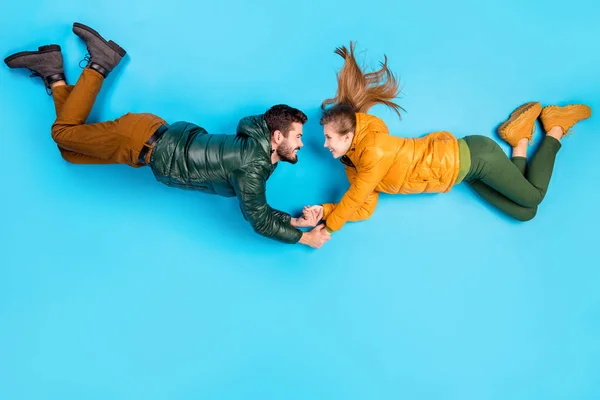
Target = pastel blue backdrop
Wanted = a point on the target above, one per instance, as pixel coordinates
(113, 286)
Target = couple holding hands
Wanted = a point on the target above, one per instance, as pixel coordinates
(184, 155)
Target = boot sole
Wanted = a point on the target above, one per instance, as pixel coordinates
(41, 50)
(516, 114)
(548, 111)
(121, 51)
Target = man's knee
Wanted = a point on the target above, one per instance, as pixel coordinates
(56, 132)
(66, 155)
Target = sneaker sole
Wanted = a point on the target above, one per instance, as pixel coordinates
(110, 43)
(549, 109)
(548, 112)
(516, 114)
(41, 50)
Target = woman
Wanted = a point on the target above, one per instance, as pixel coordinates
(376, 162)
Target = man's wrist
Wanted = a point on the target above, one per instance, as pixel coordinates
(304, 238)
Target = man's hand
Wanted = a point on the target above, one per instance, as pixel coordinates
(316, 237)
(310, 217)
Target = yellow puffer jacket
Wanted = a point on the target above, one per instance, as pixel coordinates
(378, 162)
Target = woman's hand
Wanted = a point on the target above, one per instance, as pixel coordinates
(311, 215)
(314, 209)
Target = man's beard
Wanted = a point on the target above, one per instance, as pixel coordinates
(286, 153)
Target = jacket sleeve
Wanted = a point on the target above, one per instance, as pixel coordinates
(282, 216)
(249, 184)
(364, 211)
(360, 200)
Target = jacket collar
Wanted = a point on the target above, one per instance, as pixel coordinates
(361, 130)
(256, 127)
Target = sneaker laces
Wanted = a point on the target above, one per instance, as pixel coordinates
(87, 59)
(569, 132)
(532, 133)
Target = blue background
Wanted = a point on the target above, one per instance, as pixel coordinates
(113, 286)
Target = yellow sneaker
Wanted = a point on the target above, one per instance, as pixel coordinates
(521, 123)
(565, 117)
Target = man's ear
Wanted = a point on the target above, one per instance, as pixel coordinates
(277, 136)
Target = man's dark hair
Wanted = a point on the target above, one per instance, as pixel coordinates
(281, 117)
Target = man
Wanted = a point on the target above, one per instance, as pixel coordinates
(182, 154)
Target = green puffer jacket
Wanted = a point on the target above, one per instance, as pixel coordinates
(188, 157)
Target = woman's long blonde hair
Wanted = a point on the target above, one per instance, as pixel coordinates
(361, 90)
